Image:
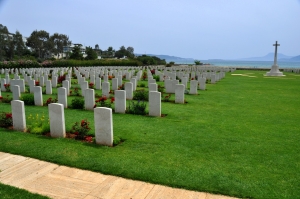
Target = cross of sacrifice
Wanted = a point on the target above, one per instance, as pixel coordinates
(275, 55)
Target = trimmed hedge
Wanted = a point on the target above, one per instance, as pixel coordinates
(20, 64)
(68, 63)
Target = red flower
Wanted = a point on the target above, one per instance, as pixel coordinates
(95, 105)
(112, 100)
(1, 97)
(8, 115)
(89, 138)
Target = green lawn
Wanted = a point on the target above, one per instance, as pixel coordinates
(9, 192)
(240, 137)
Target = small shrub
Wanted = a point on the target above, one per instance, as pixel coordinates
(50, 100)
(75, 92)
(166, 98)
(37, 124)
(77, 103)
(142, 85)
(7, 87)
(91, 85)
(61, 79)
(137, 108)
(28, 99)
(144, 76)
(160, 88)
(117, 140)
(141, 95)
(81, 129)
(6, 119)
(6, 99)
(156, 77)
(122, 87)
(103, 102)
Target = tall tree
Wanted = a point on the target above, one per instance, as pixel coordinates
(110, 52)
(76, 53)
(19, 44)
(38, 41)
(91, 54)
(130, 51)
(121, 52)
(58, 41)
(98, 50)
(3, 42)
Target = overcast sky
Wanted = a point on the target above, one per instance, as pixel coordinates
(199, 29)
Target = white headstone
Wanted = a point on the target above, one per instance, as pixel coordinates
(120, 101)
(89, 99)
(54, 81)
(62, 96)
(179, 94)
(57, 120)
(129, 90)
(48, 87)
(115, 84)
(65, 84)
(38, 96)
(194, 87)
(18, 115)
(84, 86)
(16, 92)
(154, 103)
(98, 83)
(103, 126)
(105, 89)
(152, 87)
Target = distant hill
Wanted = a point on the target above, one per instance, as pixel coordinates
(297, 58)
(169, 58)
(268, 57)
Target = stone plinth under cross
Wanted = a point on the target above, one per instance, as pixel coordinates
(275, 68)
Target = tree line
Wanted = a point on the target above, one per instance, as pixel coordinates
(40, 45)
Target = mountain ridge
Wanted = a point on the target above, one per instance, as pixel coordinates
(270, 57)
(168, 58)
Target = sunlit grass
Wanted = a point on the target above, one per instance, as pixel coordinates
(240, 137)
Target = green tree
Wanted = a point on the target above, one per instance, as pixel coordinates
(76, 53)
(98, 50)
(121, 52)
(130, 51)
(38, 41)
(110, 52)
(4, 35)
(91, 54)
(20, 48)
(146, 60)
(58, 41)
(197, 62)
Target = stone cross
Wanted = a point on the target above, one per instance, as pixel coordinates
(275, 69)
(275, 55)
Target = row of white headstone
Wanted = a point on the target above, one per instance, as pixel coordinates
(102, 120)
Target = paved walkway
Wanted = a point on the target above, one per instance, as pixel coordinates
(64, 182)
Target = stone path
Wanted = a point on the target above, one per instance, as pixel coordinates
(58, 181)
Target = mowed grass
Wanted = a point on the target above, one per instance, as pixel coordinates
(9, 192)
(240, 137)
